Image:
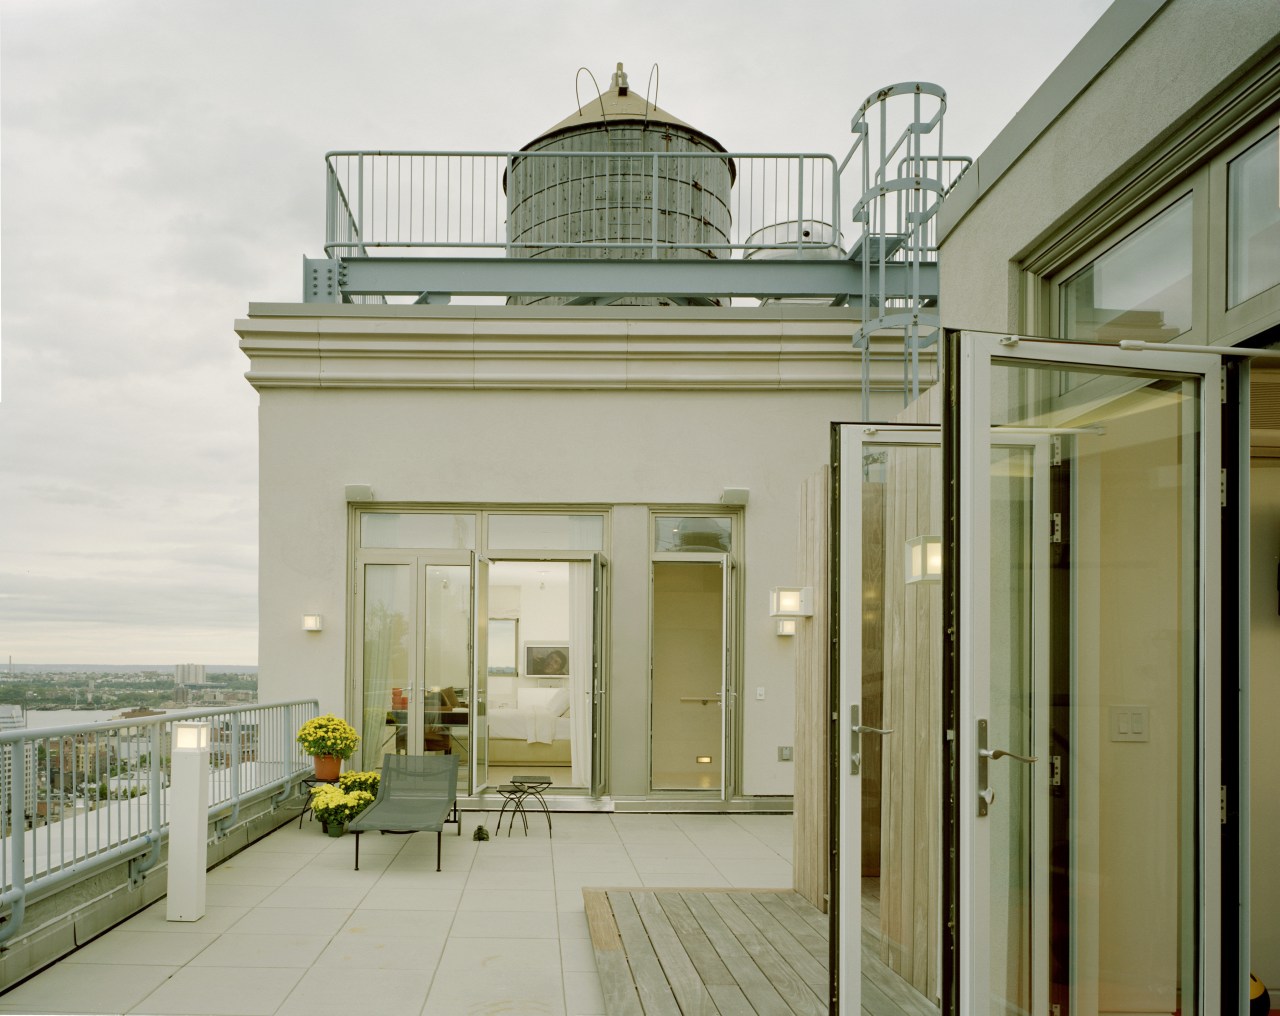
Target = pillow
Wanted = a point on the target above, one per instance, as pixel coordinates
(449, 697)
(533, 698)
(558, 704)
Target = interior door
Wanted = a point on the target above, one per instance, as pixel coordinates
(887, 912)
(689, 671)
(1095, 762)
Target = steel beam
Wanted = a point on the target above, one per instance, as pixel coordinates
(836, 280)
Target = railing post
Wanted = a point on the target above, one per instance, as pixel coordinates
(800, 216)
(511, 180)
(653, 214)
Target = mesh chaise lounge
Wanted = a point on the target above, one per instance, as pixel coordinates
(417, 793)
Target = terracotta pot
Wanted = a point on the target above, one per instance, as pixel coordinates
(327, 767)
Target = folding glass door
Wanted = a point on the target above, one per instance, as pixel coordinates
(888, 917)
(1083, 543)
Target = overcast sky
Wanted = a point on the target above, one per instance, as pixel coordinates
(161, 166)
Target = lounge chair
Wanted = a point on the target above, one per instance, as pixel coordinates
(417, 793)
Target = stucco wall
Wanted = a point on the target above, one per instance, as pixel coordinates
(675, 441)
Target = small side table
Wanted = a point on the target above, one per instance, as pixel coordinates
(307, 783)
(513, 796)
(533, 786)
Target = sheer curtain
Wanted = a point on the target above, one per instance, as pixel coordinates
(581, 622)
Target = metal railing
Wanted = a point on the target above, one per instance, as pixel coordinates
(640, 204)
(79, 798)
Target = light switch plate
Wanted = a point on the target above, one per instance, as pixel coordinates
(1130, 723)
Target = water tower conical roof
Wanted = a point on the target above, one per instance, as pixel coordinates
(619, 105)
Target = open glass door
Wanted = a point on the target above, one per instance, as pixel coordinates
(888, 910)
(478, 728)
(599, 613)
(1086, 722)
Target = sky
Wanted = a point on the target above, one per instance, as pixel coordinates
(162, 166)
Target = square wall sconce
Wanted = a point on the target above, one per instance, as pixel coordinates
(191, 737)
(791, 601)
(312, 622)
(787, 625)
(924, 559)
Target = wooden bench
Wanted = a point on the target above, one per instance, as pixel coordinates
(417, 793)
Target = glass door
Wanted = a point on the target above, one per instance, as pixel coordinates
(599, 612)
(478, 711)
(1085, 538)
(416, 653)
(689, 672)
(887, 914)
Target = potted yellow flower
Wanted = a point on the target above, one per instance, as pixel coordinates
(329, 739)
(335, 807)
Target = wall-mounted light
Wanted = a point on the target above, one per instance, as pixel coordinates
(312, 622)
(791, 601)
(704, 760)
(787, 625)
(924, 559)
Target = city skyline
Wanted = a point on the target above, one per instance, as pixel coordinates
(163, 167)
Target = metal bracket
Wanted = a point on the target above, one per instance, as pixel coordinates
(321, 278)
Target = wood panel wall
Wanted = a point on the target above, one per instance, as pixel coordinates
(811, 825)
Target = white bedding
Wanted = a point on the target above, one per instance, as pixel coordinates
(533, 725)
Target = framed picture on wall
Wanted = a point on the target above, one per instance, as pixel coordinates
(546, 659)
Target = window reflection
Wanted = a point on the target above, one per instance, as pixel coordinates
(1140, 288)
(1253, 225)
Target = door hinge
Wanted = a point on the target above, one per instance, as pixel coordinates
(1055, 770)
(1222, 805)
(1055, 527)
(1222, 488)
(1222, 388)
(1055, 445)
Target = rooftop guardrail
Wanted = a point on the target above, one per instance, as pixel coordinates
(77, 799)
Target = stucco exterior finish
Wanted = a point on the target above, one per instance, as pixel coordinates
(617, 408)
(1025, 189)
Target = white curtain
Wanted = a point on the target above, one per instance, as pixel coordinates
(581, 654)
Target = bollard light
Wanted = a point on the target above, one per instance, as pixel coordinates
(188, 803)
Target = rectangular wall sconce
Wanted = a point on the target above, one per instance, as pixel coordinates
(704, 760)
(924, 559)
(791, 601)
(312, 622)
(787, 625)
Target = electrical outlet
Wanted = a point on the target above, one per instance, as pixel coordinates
(784, 753)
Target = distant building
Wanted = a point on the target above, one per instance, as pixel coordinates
(188, 673)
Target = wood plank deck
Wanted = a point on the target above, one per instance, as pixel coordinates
(701, 952)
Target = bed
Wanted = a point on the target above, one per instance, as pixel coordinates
(532, 731)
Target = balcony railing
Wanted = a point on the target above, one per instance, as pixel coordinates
(77, 799)
(518, 204)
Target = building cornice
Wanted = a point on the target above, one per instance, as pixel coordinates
(784, 348)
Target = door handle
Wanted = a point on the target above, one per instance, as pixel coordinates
(856, 730)
(986, 793)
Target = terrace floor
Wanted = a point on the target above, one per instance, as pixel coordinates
(290, 928)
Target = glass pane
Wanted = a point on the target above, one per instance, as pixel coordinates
(692, 533)
(546, 532)
(901, 772)
(1013, 902)
(688, 675)
(1253, 230)
(388, 630)
(446, 670)
(397, 530)
(1093, 846)
(1140, 289)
